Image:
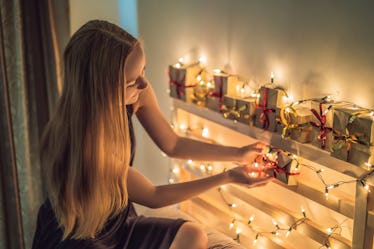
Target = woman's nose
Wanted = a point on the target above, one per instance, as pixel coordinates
(142, 83)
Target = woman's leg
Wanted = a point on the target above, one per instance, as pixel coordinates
(190, 236)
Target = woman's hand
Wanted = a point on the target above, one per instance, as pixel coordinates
(250, 176)
(249, 153)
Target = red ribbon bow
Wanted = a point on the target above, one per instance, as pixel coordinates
(218, 94)
(264, 117)
(321, 126)
(180, 87)
(274, 165)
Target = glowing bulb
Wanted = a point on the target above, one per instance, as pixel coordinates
(238, 230)
(217, 71)
(202, 166)
(369, 165)
(303, 211)
(189, 162)
(320, 171)
(329, 230)
(176, 170)
(253, 174)
(171, 180)
(367, 187)
(203, 59)
(251, 219)
(209, 84)
(205, 132)
(276, 233)
(232, 224)
(294, 156)
(326, 193)
(255, 164)
(210, 167)
(274, 222)
(163, 154)
(272, 77)
(181, 60)
(254, 242)
(288, 232)
(183, 127)
(178, 65)
(233, 205)
(372, 113)
(198, 78)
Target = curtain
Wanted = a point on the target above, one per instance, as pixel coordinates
(32, 36)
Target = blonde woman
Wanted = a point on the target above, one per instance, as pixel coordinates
(88, 147)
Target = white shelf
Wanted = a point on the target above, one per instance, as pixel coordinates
(306, 151)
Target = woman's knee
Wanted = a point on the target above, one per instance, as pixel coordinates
(191, 235)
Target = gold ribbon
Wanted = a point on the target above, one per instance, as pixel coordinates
(234, 111)
(288, 117)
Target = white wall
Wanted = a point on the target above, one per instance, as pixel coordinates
(321, 47)
(82, 11)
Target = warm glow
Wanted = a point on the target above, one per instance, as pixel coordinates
(329, 230)
(217, 71)
(181, 60)
(176, 170)
(189, 162)
(178, 65)
(198, 78)
(205, 132)
(183, 127)
(238, 230)
(202, 166)
(203, 59)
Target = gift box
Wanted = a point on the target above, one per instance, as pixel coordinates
(272, 96)
(266, 119)
(296, 123)
(241, 110)
(182, 80)
(223, 84)
(200, 94)
(283, 168)
(352, 135)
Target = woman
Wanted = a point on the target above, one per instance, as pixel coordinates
(88, 146)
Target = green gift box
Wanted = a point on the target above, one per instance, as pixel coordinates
(241, 110)
(182, 80)
(352, 135)
(272, 96)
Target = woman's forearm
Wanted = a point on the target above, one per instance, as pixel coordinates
(174, 193)
(186, 148)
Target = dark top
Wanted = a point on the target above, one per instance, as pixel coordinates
(125, 231)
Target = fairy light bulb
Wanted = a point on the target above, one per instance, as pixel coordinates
(255, 164)
(209, 167)
(288, 232)
(209, 84)
(205, 132)
(176, 170)
(329, 230)
(303, 212)
(232, 224)
(203, 59)
(171, 180)
(367, 187)
(233, 205)
(178, 65)
(368, 165)
(253, 174)
(181, 60)
(202, 167)
(251, 219)
(319, 171)
(275, 223)
(198, 78)
(217, 70)
(272, 77)
(238, 231)
(183, 127)
(189, 162)
(255, 240)
(326, 193)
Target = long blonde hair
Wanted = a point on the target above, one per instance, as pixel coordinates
(85, 147)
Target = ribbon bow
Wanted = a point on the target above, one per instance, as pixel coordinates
(264, 116)
(347, 138)
(323, 130)
(288, 116)
(278, 169)
(178, 84)
(234, 111)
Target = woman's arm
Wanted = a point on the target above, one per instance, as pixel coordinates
(153, 121)
(143, 192)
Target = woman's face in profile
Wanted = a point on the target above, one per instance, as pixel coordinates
(134, 72)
